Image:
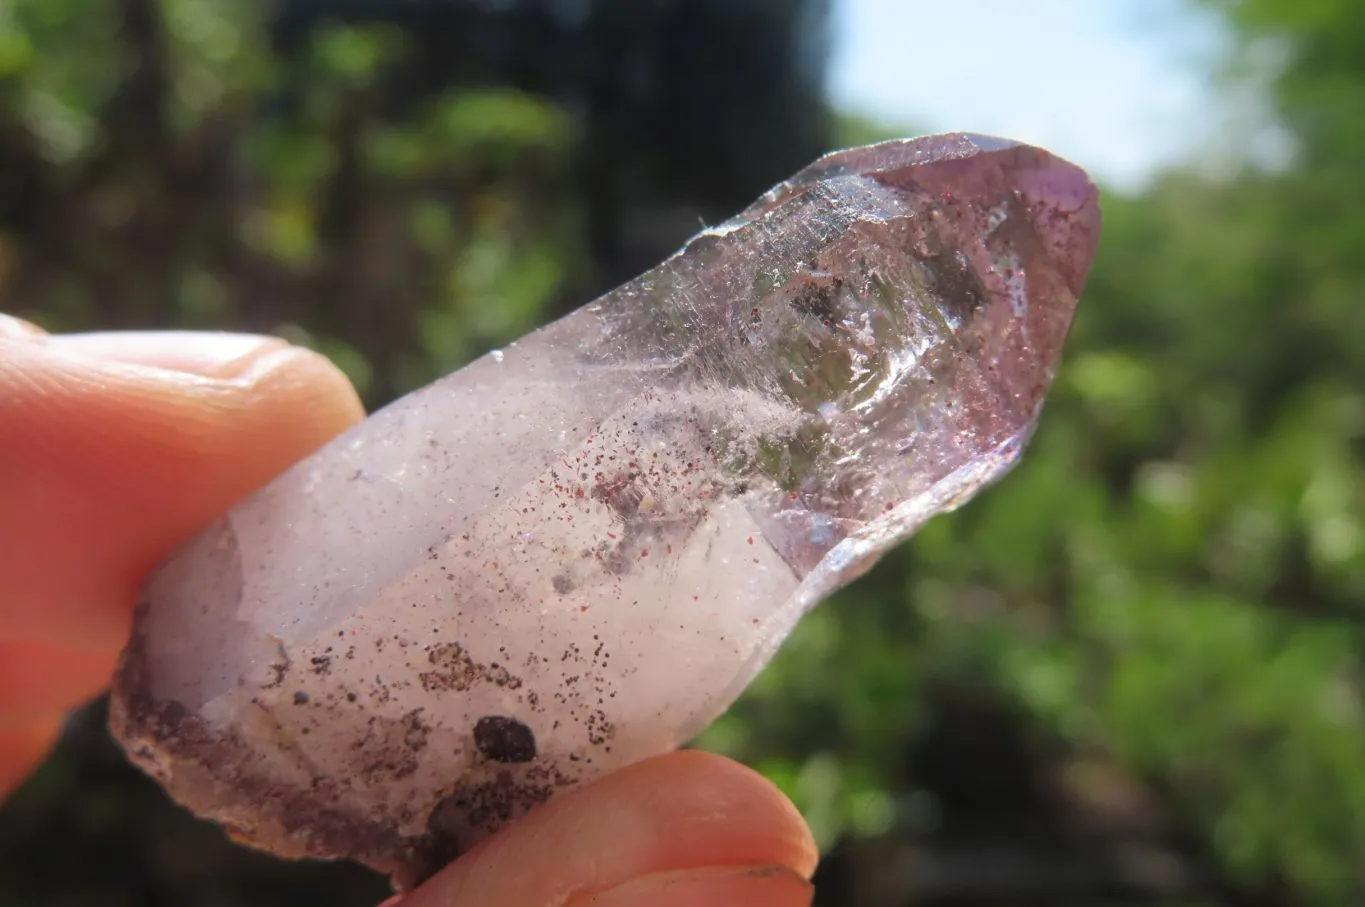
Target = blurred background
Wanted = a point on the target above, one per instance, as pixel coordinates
(1130, 674)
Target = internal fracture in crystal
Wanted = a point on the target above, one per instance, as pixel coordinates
(576, 552)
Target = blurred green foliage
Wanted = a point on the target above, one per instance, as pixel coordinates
(1172, 583)
(164, 167)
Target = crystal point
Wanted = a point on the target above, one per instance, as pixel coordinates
(576, 552)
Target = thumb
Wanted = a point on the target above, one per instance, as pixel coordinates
(680, 829)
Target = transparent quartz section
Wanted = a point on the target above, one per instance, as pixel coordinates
(577, 551)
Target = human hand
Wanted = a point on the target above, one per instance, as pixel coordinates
(115, 447)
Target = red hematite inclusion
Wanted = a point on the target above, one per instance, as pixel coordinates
(577, 551)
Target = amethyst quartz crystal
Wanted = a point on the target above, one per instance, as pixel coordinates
(577, 551)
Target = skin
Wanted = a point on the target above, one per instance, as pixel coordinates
(116, 447)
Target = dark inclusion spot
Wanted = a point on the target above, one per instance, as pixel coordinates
(815, 299)
(958, 286)
(563, 583)
(504, 739)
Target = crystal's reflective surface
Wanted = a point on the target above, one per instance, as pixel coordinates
(576, 552)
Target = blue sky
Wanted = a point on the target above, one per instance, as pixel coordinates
(1118, 86)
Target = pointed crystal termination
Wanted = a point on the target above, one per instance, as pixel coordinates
(576, 552)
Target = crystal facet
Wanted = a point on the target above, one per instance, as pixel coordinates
(577, 551)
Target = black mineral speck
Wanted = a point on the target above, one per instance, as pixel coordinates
(504, 739)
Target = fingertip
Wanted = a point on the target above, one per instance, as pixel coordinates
(244, 371)
(112, 460)
(209, 354)
(247, 374)
(722, 886)
(18, 328)
(681, 811)
(306, 384)
(721, 804)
